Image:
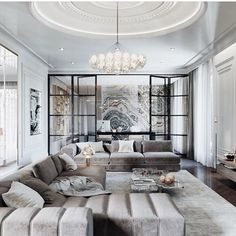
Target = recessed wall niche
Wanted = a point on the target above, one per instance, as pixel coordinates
(107, 107)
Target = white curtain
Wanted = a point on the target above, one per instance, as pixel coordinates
(203, 114)
(8, 124)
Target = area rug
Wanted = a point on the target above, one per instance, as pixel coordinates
(206, 213)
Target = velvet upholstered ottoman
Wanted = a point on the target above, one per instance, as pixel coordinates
(132, 214)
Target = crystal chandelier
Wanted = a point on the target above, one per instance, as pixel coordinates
(117, 60)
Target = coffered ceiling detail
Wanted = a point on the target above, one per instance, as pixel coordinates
(96, 19)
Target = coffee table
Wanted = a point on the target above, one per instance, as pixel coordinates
(148, 180)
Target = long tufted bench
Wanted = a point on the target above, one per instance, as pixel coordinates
(128, 214)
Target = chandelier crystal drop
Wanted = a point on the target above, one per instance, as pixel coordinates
(117, 60)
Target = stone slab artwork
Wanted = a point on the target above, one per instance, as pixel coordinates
(35, 112)
(127, 108)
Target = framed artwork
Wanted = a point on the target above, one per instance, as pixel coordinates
(35, 112)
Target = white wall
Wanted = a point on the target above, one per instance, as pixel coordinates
(225, 100)
(32, 73)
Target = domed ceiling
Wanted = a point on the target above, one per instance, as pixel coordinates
(96, 19)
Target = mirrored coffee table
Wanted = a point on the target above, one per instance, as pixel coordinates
(148, 180)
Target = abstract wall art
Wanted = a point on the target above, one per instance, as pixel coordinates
(35, 112)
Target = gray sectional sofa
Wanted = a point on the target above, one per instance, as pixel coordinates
(120, 214)
(152, 153)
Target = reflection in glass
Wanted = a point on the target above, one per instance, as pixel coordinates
(60, 125)
(84, 105)
(60, 85)
(84, 85)
(159, 105)
(57, 142)
(60, 105)
(160, 124)
(84, 125)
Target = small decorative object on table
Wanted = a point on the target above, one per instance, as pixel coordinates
(153, 180)
(87, 153)
(229, 156)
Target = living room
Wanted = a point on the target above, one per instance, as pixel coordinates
(117, 118)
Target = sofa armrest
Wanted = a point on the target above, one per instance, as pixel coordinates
(51, 221)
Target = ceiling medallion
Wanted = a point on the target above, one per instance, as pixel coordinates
(117, 60)
(96, 19)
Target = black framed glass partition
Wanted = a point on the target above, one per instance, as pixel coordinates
(105, 107)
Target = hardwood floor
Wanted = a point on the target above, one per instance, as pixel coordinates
(223, 186)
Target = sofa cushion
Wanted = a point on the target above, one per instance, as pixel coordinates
(4, 187)
(20, 195)
(126, 146)
(100, 158)
(46, 170)
(126, 158)
(68, 162)
(97, 146)
(114, 146)
(58, 163)
(138, 146)
(157, 146)
(70, 149)
(40, 187)
(161, 157)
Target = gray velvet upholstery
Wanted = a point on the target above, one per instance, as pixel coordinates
(4, 187)
(146, 153)
(99, 158)
(46, 170)
(46, 222)
(114, 146)
(117, 214)
(39, 186)
(138, 146)
(136, 214)
(161, 157)
(127, 158)
(157, 146)
(70, 149)
(58, 163)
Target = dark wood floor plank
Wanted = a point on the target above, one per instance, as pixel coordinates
(221, 185)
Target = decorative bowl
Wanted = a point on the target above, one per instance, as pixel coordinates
(229, 156)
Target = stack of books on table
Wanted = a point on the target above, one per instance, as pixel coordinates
(139, 181)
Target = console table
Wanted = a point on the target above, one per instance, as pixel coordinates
(228, 173)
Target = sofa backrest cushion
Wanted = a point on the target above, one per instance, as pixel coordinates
(4, 187)
(58, 163)
(138, 146)
(40, 187)
(115, 146)
(157, 146)
(70, 149)
(46, 170)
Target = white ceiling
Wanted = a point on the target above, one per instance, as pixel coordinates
(188, 42)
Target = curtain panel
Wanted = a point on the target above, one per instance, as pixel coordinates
(202, 79)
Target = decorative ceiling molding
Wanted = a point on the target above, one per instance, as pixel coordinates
(223, 41)
(96, 19)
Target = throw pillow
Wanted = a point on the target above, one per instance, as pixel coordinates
(126, 146)
(97, 146)
(82, 145)
(68, 162)
(40, 187)
(20, 195)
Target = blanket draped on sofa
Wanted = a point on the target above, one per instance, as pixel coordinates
(81, 186)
